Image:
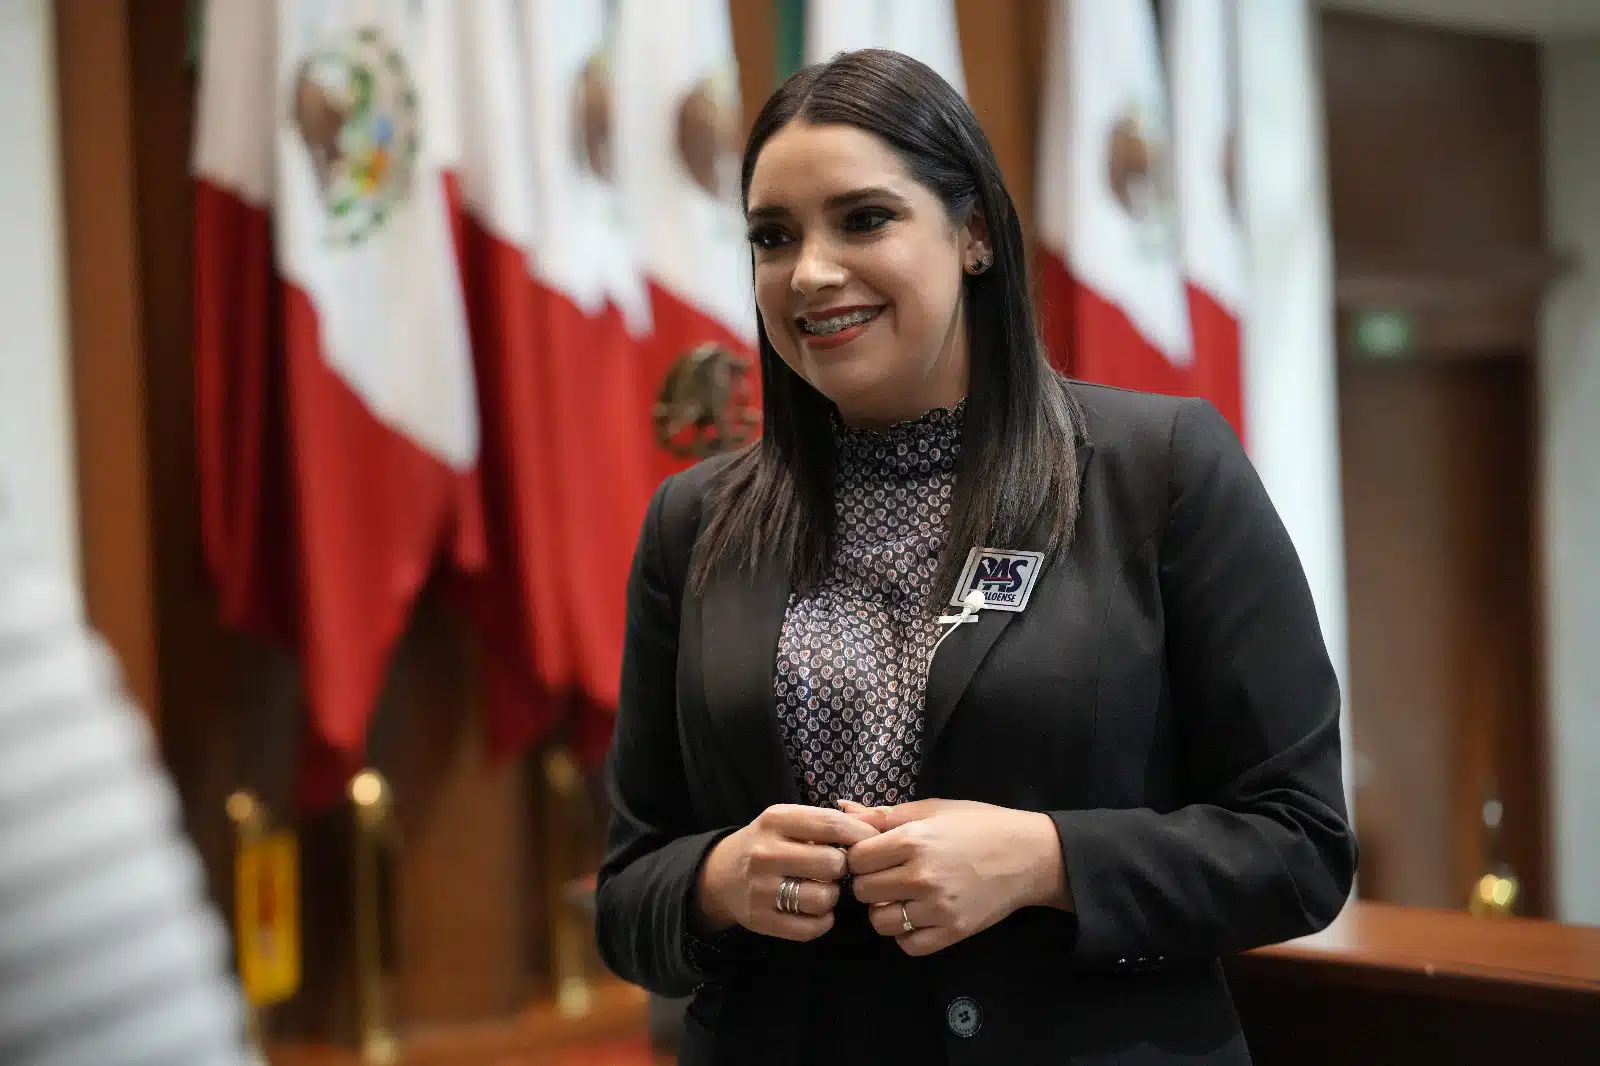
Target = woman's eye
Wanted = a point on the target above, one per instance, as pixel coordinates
(767, 237)
(866, 219)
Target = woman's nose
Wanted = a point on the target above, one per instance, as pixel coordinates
(816, 269)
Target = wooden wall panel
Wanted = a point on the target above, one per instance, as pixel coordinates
(1437, 500)
(1434, 139)
(1435, 169)
(96, 121)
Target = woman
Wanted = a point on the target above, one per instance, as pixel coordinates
(862, 826)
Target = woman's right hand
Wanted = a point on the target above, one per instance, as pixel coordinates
(740, 878)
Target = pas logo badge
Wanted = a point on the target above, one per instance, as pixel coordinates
(1005, 579)
(355, 107)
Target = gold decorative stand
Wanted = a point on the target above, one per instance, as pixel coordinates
(374, 839)
(569, 934)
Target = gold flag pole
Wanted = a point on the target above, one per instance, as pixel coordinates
(370, 795)
(564, 782)
(266, 914)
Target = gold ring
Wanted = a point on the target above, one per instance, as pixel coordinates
(905, 920)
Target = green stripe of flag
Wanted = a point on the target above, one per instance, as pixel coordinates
(791, 37)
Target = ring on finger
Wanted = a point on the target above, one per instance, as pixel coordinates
(789, 895)
(785, 886)
(905, 919)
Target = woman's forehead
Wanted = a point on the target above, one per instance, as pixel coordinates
(804, 163)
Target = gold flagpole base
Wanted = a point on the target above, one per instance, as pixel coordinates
(564, 788)
(380, 1049)
(374, 827)
(574, 997)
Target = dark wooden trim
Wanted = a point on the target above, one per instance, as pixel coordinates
(94, 80)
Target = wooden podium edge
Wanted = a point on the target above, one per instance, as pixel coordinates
(1437, 953)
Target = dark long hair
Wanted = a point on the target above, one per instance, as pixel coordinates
(1018, 475)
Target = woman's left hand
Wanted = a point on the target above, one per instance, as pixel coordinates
(956, 865)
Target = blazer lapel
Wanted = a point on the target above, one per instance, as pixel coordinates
(959, 657)
(741, 619)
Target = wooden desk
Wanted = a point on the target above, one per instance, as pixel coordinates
(1402, 985)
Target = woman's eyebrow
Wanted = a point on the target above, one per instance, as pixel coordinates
(767, 212)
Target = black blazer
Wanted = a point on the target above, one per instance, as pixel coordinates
(1166, 697)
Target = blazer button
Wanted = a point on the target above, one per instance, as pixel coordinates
(964, 1017)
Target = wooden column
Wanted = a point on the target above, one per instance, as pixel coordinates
(94, 72)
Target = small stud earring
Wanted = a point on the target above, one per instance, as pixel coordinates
(979, 265)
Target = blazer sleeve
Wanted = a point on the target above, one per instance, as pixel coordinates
(646, 884)
(1263, 852)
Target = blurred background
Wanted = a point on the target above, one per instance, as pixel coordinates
(346, 341)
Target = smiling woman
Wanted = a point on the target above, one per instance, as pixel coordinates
(891, 280)
(858, 267)
(861, 827)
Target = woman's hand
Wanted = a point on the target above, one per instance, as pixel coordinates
(739, 881)
(957, 866)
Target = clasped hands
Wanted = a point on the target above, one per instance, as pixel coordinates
(951, 868)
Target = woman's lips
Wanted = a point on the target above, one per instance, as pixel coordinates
(828, 341)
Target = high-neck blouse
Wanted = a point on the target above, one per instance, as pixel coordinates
(853, 655)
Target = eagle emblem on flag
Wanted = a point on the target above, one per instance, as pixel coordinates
(708, 134)
(704, 406)
(1138, 170)
(355, 107)
(592, 102)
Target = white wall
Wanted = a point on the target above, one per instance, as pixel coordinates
(38, 479)
(1569, 386)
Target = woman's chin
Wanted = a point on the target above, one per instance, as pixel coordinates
(857, 391)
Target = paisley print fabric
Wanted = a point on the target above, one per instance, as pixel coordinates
(853, 656)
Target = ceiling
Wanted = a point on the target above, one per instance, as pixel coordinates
(1518, 18)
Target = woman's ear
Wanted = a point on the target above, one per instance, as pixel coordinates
(977, 253)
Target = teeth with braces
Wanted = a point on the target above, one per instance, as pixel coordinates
(837, 323)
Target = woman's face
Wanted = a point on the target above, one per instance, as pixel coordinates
(858, 273)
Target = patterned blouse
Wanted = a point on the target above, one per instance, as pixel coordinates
(853, 657)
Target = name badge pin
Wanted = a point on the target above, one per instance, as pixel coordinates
(1004, 579)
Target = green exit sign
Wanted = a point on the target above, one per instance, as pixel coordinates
(1384, 334)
